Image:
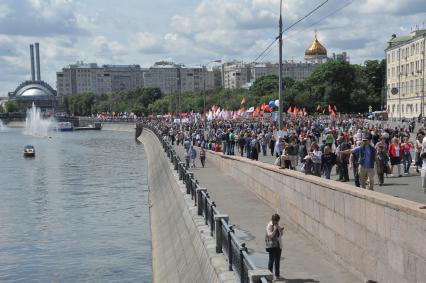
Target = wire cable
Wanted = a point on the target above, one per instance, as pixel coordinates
(289, 27)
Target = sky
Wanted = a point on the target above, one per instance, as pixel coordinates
(189, 31)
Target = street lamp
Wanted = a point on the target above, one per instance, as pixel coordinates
(204, 92)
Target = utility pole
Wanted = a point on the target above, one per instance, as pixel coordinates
(280, 87)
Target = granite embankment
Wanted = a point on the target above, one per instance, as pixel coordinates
(182, 248)
(376, 236)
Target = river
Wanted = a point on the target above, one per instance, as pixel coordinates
(77, 212)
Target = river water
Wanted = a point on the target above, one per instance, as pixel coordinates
(77, 212)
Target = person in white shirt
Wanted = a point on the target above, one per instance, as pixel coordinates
(273, 237)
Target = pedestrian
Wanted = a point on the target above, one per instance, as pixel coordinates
(395, 155)
(366, 155)
(272, 144)
(381, 163)
(418, 149)
(192, 153)
(315, 156)
(273, 245)
(202, 156)
(328, 160)
(423, 156)
(406, 155)
(354, 164)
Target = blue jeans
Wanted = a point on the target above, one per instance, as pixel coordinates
(406, 161)
(274, 260)
(327, 171)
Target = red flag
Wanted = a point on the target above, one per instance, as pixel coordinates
(295, 111)
(257, 109)
(289, 110)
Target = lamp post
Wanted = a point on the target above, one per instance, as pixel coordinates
(280, 87)
(204, 92)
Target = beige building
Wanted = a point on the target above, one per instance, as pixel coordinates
(171, 77)
(80, 78)
(405, 60)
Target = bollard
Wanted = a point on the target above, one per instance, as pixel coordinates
(212, 223)
(200, 200)
(219, 235)
(231, 230)
(242, 249)
(181, 170)
(206, 208)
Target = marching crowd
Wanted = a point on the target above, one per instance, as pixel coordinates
(318, 144)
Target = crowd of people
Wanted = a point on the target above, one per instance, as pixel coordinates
(318, 144)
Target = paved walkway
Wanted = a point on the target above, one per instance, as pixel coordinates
(301, 261)
(407, 187)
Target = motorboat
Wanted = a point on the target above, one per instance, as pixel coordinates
(29, 151)
(64, 127)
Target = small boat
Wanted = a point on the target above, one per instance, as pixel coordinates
(64, 127)
(29, 151)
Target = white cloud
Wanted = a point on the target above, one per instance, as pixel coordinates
(190, 32)
(4, 10)
(149, 43)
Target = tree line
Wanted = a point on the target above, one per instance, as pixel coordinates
(351, 88)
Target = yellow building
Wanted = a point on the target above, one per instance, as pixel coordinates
(405, 78)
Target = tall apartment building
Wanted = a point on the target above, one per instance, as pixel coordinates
(235, 74)
(171, 77)
(80, 78)
(405, 78)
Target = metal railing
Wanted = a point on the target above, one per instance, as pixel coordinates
(220, 228)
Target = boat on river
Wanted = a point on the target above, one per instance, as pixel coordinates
(64, 127)
(29, 151)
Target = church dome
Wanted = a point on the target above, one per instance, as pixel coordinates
(316, 48)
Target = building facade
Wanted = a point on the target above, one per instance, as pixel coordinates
(405, 77)
(171, 77)
(80, 78)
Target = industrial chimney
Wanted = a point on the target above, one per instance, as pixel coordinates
(37, 61)
(32, 62)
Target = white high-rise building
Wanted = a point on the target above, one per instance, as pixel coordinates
(80, 78)
(405, 75)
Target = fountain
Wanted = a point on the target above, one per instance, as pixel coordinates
(3, 128)
(35, 125)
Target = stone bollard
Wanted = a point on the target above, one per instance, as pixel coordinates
(180, 166)
(257, 274)
(219, 235)
(200, 200)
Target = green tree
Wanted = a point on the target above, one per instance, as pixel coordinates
(11, 106)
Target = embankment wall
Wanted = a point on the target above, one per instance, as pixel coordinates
(376, 236)
(119, 127)
(182, 248)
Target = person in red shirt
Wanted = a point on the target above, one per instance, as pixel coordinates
(406, 155)
(395, 154)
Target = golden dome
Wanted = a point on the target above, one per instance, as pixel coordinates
(315, 49)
